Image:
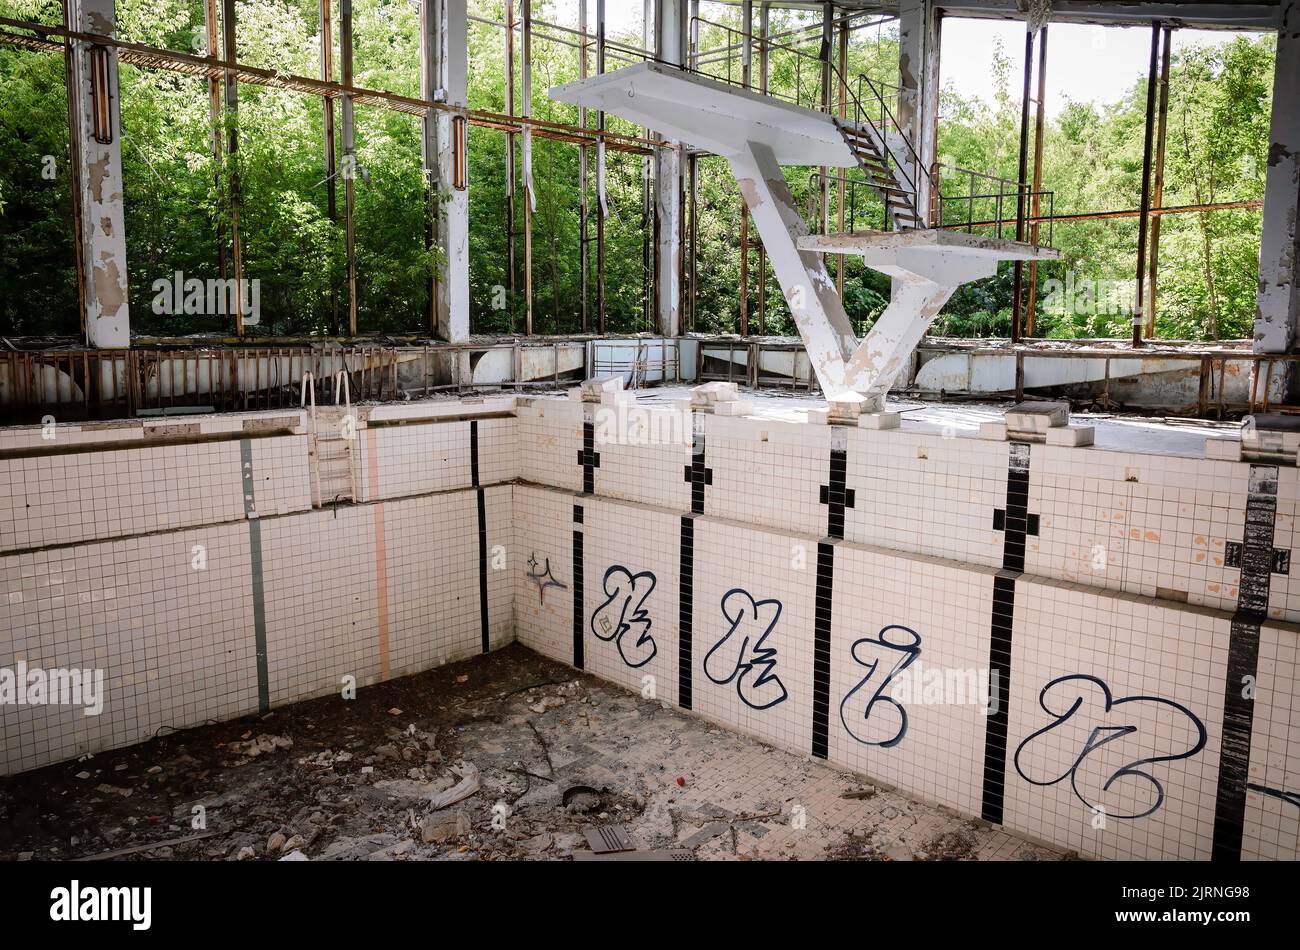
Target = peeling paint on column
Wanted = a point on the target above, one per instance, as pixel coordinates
(1276, 301)
(444, 74)
(822, 321)
(103, 233)
(109, 288)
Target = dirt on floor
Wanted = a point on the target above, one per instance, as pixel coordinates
(503, 757)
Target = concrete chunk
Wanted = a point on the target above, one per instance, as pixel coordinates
(880, 420)
(737, 408)
(710, 395)
(596, 388)
(1037, 417)
(1074, 436)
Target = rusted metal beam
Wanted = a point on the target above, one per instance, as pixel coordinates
(1159, 191)
(510, 159)
(349, 160)
(602, 144)
(649, 217)
(1105, 215)
(824, 53)
(842, 262)
(231, 82)
(695, 236)
(582, 177)
(331, 154)
(764, 12)
(1040, 122)
(746, 69)
(1144, 218)
(1022, 211)
(153, 57)
(649, 227)
(526, 77)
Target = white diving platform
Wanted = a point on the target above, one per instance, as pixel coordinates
(757, 135)
(710, 114)
(871, 244)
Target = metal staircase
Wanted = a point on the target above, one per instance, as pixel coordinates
(758, 136)
(889, 181)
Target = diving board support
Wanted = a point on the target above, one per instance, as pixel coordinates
(757, 135)
(845, 368)
(809, 290)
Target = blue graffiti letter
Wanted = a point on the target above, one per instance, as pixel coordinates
(734, 657)
(623, 613)
(1083, 704)
(890, 725)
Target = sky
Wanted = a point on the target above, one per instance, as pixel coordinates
(1084, 63)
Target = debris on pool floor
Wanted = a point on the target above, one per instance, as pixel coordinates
(507, 756)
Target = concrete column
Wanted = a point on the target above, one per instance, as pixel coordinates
(444, 77)
(816, 306)
(99, 134)
(1276, 311)
(918, 75)
(671, 18)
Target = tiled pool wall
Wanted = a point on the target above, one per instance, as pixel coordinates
(845, 592)
(200, 578)
(837, 591)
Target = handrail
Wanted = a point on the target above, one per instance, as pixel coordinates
(882, 92)
(309, 385)
(1006, 191)
(895, 95)
(886, 112)
(308, 381)
(853, 184)
(724, 52)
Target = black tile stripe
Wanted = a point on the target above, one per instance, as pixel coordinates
(482, 536)
(685, 612)
(1014, 522)
(836, 496)
(258, 580)
(579, 660)
(697, 473)
(822, 649)
(473, 452)
(996, 725)
(1257, 562)
(588, 457)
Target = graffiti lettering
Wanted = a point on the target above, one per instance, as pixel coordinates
(750, 665)
(1084, 706)
(1292, 798)
(894, 649)
(621, 617)
(542, 577)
